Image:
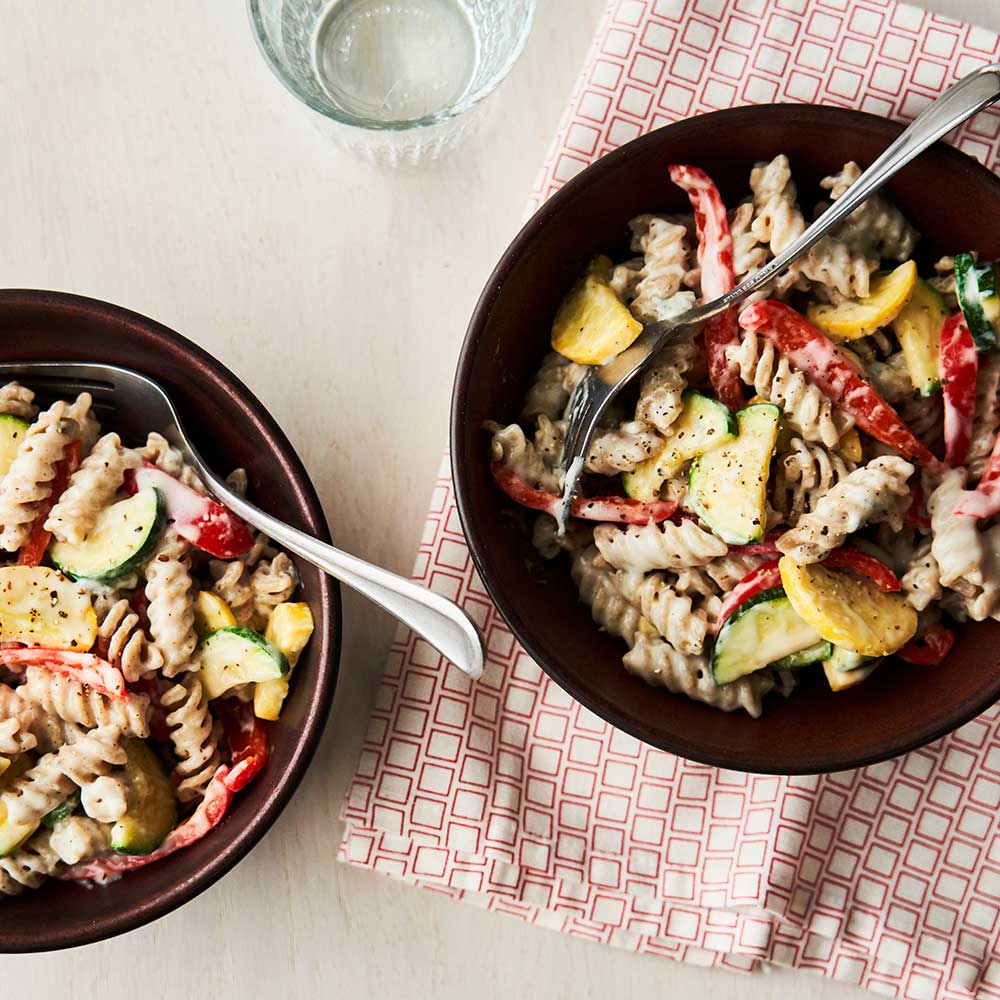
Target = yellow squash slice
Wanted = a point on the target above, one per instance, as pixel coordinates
(856, 318)
(211, 613)
(848, 610)
(849, 445)
(592, 324)
(289, 629)
(41, 607)
(12, 834)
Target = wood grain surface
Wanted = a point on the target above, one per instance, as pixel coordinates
(150, 158)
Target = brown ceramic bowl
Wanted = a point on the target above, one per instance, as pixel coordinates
(954, 202)
(231, 428)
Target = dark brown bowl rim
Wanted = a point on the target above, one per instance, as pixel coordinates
(321, 696)
(478, 546)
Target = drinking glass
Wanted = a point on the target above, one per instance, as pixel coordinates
(394, 80)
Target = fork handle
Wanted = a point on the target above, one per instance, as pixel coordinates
(440, 621)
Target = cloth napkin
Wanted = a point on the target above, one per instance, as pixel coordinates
(508, 794)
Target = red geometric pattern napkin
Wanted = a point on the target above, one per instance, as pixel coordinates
(508, 794)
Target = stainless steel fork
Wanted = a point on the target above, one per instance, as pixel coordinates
(138, 401)
(601, 384)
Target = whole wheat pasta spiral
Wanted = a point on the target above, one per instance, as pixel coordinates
(91, 488)
(662, 385)
(658, 663)
(877, 491)
(170, 592)
(956, 543)
(193, 736)
(17, 401)
(668, 611)
(553, 385)
(29, 865)
(69, 700)
(272, 582)
(922, 580)
(29, 479)
(79, 838)
(612, 450)
(122, 640)
(987, 414)
(16, 717)
(665, 261)
(657, 546)
(515, 452)
(806, 409)
(805, 473)
(876, 228)
(86, 756)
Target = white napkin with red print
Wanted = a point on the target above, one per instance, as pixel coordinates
(508, 794)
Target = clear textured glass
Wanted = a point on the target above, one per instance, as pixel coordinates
(395, 80)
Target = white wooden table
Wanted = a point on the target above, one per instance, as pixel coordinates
(150, 158)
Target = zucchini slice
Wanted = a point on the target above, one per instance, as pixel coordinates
(841, 680)
(12, 431)
(814, 654)
(765, 630)
(727, 488)
(152, 806)
(67, 807)
(703, 425)
(211, 613)
(235, 655)
(918, 327)
(976, 285)
(846, 660)
(122, 540)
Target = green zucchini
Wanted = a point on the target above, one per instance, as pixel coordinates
(122, 540)
(814, 654)
(846, 660)
(234, 656)
(764, 631)
(67, 807)
(703, 425)
(152, 804)
(976, 285)
(727, 488)
(12, 431)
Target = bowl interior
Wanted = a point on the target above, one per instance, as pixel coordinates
(231, 428)
(952, 200)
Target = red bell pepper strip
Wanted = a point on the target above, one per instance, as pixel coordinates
(931, 648)
(246, 736)
(32, 551)
(764, 577)
(211, 809)
(153, 688)
(83, 667)
(916, 513)
(715, 257)
(767, 547)
(810, 350)
(864, 565)
(959, 368)
(621, 509)
(202, 521)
